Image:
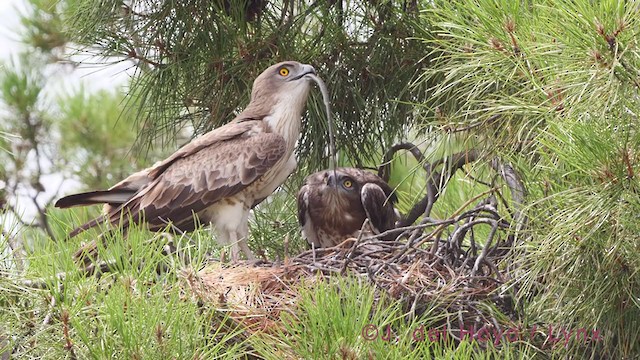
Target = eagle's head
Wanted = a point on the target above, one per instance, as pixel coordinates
(333, 205)
(328, 193)
(287, 83)
(339, 188)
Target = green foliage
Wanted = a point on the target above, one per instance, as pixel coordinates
(22, 83)
(529, 64)
(553, 86)
(23, 163)
(335, 311)
(588, 231)
(142, 307)
(43, 28)
(275, 222)
(138, 309)
(550, 86)
(97, 135)
(83, 136)
(198, 60)
(345, 318)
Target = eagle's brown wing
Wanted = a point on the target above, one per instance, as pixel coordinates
(114, 196)
(217, 165)
(378, 207)
(123, 191)
(193, 183)
(232, 130)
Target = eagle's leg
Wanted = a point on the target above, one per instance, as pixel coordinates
(222, 238)
(235, 248)
(231, 222)
(243, 231)
(238, 242)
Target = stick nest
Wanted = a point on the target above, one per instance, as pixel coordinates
(457, 280)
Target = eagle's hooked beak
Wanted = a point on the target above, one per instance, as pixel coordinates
(330, 179)
(306, 70)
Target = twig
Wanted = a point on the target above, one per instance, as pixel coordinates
(485, 249)
(383, 170)
(52, 304)
(18, 217)
(455, 214)
(517, 189)
(44, 221)
(459, 234)
(349, 256)
(68, 345)
(15, 248)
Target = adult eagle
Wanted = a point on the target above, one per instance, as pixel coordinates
(221, 175)
(333, 205)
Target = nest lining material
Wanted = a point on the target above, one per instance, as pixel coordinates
(256, 294)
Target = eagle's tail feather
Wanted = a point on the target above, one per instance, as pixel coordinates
(113, 196)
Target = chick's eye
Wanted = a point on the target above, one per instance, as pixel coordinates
(347, 183)
(284, 71)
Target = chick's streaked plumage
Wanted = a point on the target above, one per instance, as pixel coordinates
(332, 206)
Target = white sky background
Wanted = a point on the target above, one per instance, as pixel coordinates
(88, 76)
(92, 76)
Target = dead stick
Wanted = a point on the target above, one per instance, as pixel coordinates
(355, 245)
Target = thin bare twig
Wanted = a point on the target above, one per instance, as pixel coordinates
(349, 256)
(384, 171)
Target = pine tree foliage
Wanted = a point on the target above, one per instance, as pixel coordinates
(196, 61)
(98, 133)
(554, 86)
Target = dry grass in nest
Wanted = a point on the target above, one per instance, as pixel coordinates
(256, 294)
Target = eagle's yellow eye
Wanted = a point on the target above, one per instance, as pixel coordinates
(347, 183)
(284, 71)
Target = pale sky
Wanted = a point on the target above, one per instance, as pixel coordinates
(9, 21)
(88, 75)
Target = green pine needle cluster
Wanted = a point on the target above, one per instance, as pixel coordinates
(138, 308)
(553, 86)
(196, 62)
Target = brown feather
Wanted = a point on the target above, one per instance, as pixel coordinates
(189, 184)
(116, 196)
(329, 212)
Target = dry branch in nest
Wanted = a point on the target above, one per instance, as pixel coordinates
(435, 263)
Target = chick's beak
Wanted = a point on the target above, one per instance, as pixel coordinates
(330, 179)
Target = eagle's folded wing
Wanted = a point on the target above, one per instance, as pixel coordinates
(303, 202)
(379, 209)
(195, 177)
(193, 183)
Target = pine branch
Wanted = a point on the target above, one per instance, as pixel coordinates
(437, 180)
